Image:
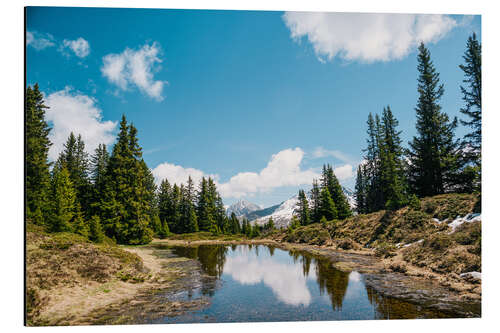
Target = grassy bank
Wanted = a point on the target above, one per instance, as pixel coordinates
(71, 281)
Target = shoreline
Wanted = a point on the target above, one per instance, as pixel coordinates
(125, 302)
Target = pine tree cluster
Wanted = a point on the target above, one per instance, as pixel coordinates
(435, 161)
(327, 200)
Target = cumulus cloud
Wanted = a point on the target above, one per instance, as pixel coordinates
(283, 169)
(248, 269)
(177, 174)
(135, 68)
(366, 37)
(73, 112)
(344, 172)
(38, 40)
(80, 47)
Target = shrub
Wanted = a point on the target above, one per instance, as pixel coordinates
(414, 202)
(415, 219)
(385, 250)
(438, 242)
(346, 244)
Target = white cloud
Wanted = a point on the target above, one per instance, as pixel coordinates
(366, 37)
(73, 112)
(283, 169)
(248, 269)
(344, 172)
(135, 68)
(177, 174)
(320, 152)
(39, 41)
(80, 47)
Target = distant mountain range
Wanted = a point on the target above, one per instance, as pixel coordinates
(281, 213)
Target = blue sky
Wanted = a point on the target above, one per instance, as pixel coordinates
(259, 100)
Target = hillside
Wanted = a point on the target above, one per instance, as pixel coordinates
(442, 237)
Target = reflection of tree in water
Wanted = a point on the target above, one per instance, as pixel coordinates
(271, 250)
(333, 281)
(391, 308)
(306, 265)
(211, 258)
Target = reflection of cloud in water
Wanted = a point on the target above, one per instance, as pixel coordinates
(286, 280)
(354, 276)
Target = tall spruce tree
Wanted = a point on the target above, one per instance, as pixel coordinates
(235, 224)
(433, 159)
(125, 204)
(37, 146)
(189, 220)
(63, 201)
(205, 207)
(337, 194)
(98, 168)
(360, 190)
(472, 97)
(75, 159)
(392, 178)
(470, 177)
(315, 202)
(327, 207)
(302, 209)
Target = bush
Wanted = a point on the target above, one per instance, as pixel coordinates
(398, 267)
(468, 234)
(346, 244)
(415, 219)
(385, 250)
(415, 202)
(438, 242)
(62, 241)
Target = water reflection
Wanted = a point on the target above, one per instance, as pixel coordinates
(263, 283)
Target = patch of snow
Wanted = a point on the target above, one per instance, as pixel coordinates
(469, 218)
(437, 220)
(417, 242)
(475, 275)
(281, 216)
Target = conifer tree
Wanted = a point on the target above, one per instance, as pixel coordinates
(270, 224)
(98, 167)
(392, 179)
(63, 201)
(472, 97)
(433, 160)
(96, 234)
(336, 192)
(235, 224)
(75, 160)
(360, 190)
(315, 202)
(175, 210)
(302, 209)
(125, 204)
(188, 210)
(37, 146)
(327, 206)
(165, 202)
(205, 207)
(470, 178)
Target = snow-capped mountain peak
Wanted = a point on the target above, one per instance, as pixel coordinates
(242, 208)
(282, 213)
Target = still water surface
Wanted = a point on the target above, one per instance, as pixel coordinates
(246, 283)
